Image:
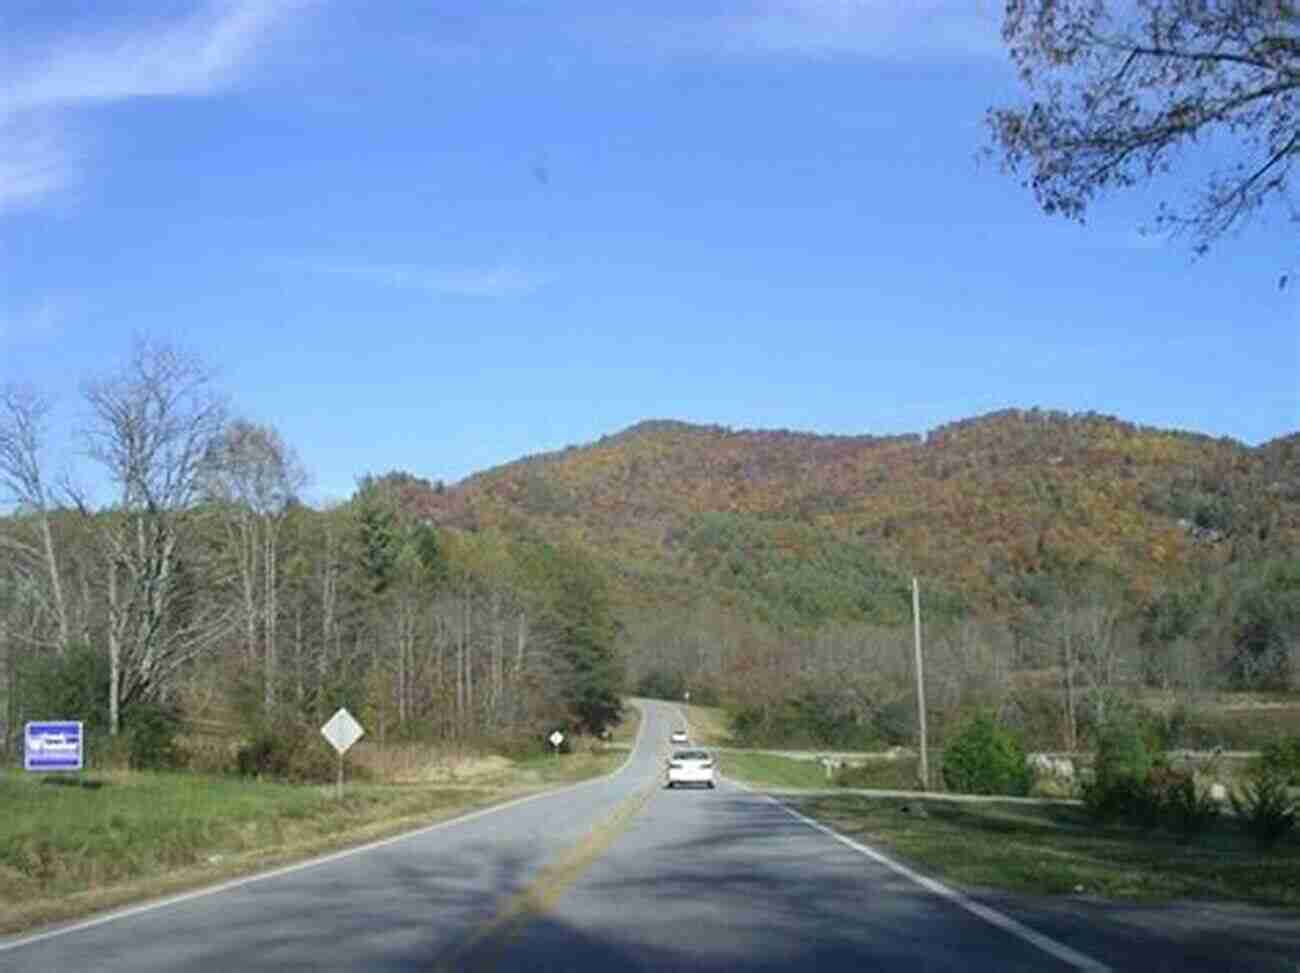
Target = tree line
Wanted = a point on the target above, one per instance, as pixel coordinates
(203, 586)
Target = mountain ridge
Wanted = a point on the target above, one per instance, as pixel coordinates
(968, 503)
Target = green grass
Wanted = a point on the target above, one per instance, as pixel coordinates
(56, 840)
(67, 850)
(1057, 849)
(770, 770)
(767, 770)
(900, 774)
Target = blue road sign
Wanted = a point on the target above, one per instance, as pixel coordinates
(53, 746)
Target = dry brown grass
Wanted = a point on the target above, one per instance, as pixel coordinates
(709, 725)
(423, 763)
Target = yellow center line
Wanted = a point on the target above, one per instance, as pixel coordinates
(484, 949)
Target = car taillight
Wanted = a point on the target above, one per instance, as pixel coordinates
(675, 764)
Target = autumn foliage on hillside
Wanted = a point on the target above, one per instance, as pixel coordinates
(971, 506)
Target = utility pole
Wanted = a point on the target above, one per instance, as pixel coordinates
(920, 685)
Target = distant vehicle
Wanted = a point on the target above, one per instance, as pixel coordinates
(691, 767)
(679, 736)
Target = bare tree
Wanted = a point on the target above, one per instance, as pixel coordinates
(1121, 87)
(23, 413)
(255, 475)
(151, 425)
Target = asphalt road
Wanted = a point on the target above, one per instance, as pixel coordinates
(620, 874)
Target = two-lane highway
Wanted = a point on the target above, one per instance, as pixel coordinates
(615, 874)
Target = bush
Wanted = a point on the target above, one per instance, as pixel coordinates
(71, 686)
(986, 759)
(895, 722)
(1121, 787)
(150, 730)
(1281, 758)
(1121, 754)
(288, 752)
(1121, 798)
(1265, 810)
(1188, 811)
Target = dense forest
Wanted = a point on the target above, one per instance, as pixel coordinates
(1067, 563)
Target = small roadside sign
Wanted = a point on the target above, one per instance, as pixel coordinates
(556, 739)
(342, 730)
(53, 746)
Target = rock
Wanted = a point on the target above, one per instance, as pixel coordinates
(1218, 792)
(1039, 763)
(1044, 765)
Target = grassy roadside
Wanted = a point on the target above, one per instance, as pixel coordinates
(66, 851)
(710, 725)
(768, 770)
(1058, 850)
(772, 770)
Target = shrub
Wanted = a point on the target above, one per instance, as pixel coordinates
(984, 758)
(1120, 787)
(288, 752)
(1121, 798)
(1121, 753)
(150, 730)
(1265, 810)
(71, 686)
(1188, 811)
(895, 722)
(1281, 758)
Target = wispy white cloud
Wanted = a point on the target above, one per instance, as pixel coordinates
(206, 52)
(485, 282)
(37, 158)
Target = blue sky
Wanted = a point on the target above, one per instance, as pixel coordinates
(438, 239)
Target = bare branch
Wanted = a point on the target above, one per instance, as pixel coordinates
(1124, 85)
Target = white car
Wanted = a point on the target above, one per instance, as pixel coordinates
(691, 767)
(678, 737)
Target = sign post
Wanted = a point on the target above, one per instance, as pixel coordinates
(342, 731)
(556, 739)
(53, 745)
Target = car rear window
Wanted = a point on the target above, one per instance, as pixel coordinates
(691, 755)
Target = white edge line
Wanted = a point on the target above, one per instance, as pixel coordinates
(992, 916)
(313, 862)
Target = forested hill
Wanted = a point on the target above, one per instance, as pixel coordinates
(781, 521)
